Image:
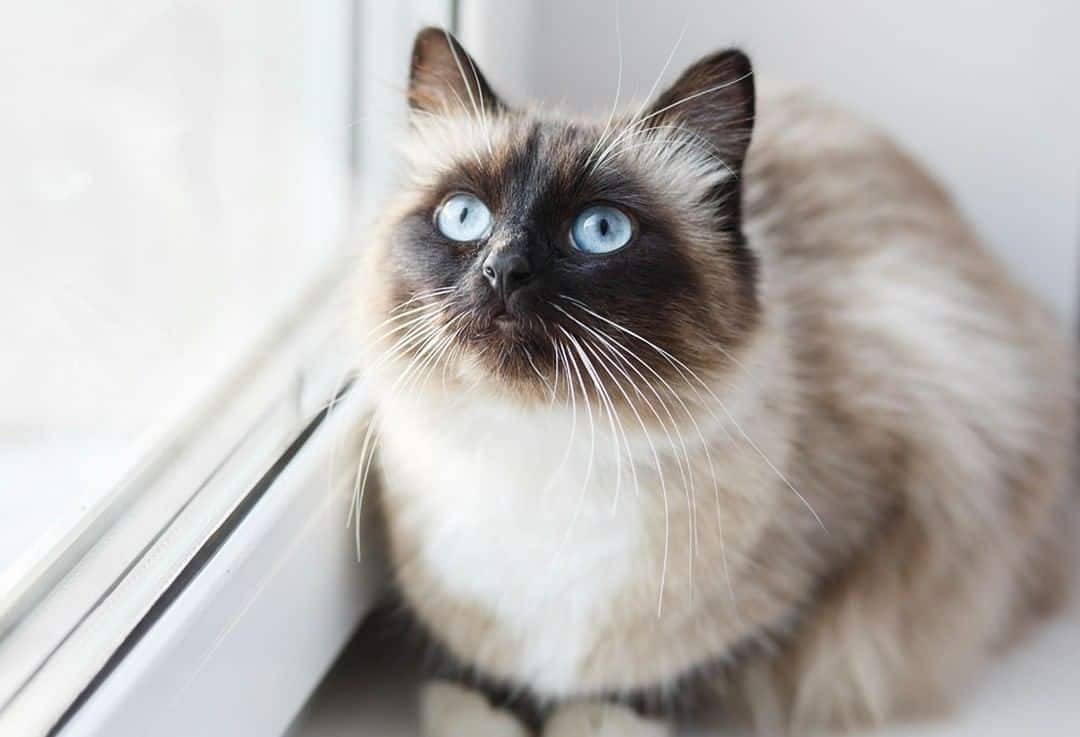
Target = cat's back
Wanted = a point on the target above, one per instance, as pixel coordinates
(820, 182)
(904, 331)
(855, 236)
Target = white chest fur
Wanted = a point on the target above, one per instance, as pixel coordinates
(512, 517)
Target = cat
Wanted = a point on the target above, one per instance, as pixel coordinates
(716, 394)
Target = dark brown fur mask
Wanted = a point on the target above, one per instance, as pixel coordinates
(491, 274)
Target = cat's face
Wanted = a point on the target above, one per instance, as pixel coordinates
(547, 256)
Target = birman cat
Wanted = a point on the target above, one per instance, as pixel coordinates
(718, 395)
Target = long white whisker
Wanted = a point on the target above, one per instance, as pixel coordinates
(536, 370)
(416, 336)
(426, 353)
(681, 367)
(667, 63)
(555, 383)
(622, 430)
(618, 89)
(423, 295)
(367, 456)
(708, 150)
(477, 107)
(336, 397)
(409, 322)
(605, 400)
(656, 82)
(589, 465)
(616, 362)
(396, 315)
(572, 397)
(630, 129)
(682, 461)
(688, 98)
(434, 344)
(697, 428)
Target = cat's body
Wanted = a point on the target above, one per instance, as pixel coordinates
(854, 506)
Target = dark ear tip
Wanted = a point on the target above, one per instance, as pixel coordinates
(425, 37)
(734, 61)
(428, 34)
(734, 65)
(442, 69)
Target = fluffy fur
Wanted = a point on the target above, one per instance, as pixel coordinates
(802, 441)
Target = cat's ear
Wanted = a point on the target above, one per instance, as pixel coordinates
(444, 79)
(713, 98)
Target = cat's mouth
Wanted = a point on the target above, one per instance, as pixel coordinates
(505, 323)
(513, 330)
(503, 328)
(512, 346)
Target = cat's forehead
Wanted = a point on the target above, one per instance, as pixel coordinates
(531, 149)
(504, 145)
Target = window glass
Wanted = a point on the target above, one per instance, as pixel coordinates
(175, 176)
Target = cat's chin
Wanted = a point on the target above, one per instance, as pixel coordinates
(505, 362)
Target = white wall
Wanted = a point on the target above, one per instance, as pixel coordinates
(985, 92)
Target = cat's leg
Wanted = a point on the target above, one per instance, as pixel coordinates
(450, 710)
(599, 719)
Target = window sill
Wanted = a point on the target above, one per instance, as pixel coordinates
(372, 689)
(247, 639)
(91, 592)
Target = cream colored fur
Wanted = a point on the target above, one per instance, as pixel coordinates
(891, 456)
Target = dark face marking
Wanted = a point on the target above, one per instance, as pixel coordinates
(525, 305)
(656, 287)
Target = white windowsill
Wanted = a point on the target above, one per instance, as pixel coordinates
(97, 586)
(249, 638)
(1030, 691)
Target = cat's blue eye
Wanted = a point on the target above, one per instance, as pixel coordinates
(463, 217)
(601, 229)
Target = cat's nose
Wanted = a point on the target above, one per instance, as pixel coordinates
(506, 270)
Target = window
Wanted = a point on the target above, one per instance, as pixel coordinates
(180, 182)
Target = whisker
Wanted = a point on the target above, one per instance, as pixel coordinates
(672, 143)
(589, 464)
(626, 442)
(656, 458)
(667, 62)
(336, 398)
(555, 383)
(396, 315)
(572, 397)
(682, 462)
(606, 403)
(478, 108)
(360, 483)
(416, 336)
(680, 367)
(618, 88)
(536, 370)
(423, 295)
(431, 311)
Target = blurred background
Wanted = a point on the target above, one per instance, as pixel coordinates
(174, 178)
(179, 176)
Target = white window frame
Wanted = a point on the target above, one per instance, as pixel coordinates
(225, 619)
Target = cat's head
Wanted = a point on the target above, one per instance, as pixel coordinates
(540, 254)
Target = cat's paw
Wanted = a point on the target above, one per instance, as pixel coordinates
(449, 710)
(602, 720)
